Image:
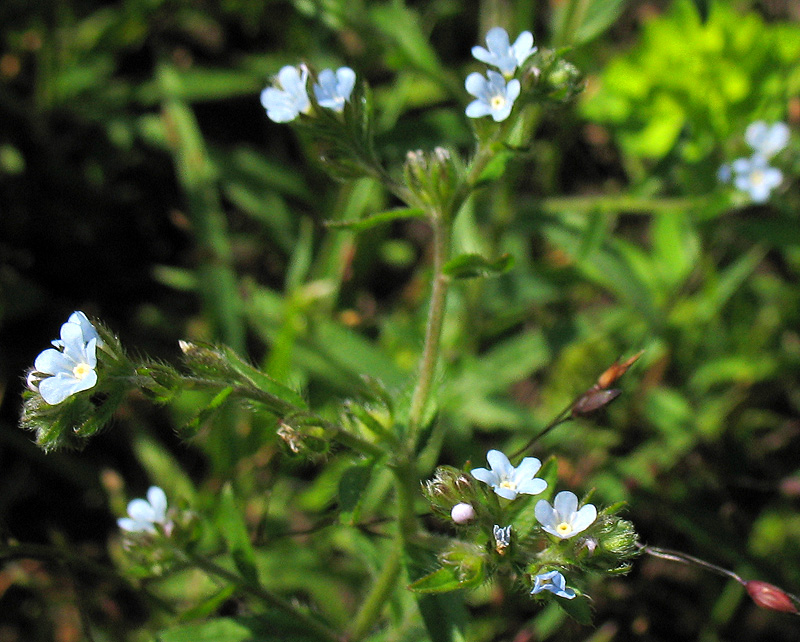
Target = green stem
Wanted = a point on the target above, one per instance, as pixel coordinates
(381, 591)
(269, 598)
(433, 331)
(617, 204)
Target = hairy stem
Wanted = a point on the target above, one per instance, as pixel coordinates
(381, 591)
(433, 330)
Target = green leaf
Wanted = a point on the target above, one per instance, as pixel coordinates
(577, 608)
(375, 220)
(264, 382)
(353, 483)
(234, 530)
(470, 266)
(448, 578)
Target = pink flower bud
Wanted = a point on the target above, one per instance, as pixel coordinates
(462, 513)
(771, 597)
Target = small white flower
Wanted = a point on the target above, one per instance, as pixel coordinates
(554, 582)
(143, 515)
(506, 57)
(333, 90)
(70, 366)
(462, 513)
(508, 481)
(563, 519)
(767, 140)
(755, 176)
(492, 97)
(285, 104)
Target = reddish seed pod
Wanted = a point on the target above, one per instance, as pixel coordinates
(769, 596)
(616, 370)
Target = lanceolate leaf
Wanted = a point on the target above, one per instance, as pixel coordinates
(470, 266)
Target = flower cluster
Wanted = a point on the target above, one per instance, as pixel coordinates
(563, 519)
(754, 175)
(493, 95)
(290, 99)
(69, 366)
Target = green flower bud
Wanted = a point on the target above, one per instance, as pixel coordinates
(448, 488)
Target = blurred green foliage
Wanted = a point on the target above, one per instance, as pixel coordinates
(142, 181)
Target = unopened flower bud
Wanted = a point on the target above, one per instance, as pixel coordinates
(771, 597)
(462, 513)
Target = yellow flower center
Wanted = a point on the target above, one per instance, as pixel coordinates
(757, 177)
(497, 102)
(81, 370)
(564, 529)
(506, 483)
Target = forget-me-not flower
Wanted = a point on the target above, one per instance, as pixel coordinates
(502, 538)
(755, 176)
(87, 329)
(492, 97)
(332, 90)
(144, 514)
(503, 55)
(767, 140)
(70, 367)
(563, 519)
(284, 105)
(554, 582)
(508, 481)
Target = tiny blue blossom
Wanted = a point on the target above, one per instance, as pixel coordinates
(69, 368)
(767, 140)
(508, 481)
(755, 176)
(332, 90)
(724, 173)
(506, 57)
(502, 538)
(563, 519)
(285, 104)
(492, 97)
(554, 582)
(144, 514)
(87, 329)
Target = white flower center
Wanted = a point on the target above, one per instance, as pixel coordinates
(564, 528)
(81, 370)
(497, 102)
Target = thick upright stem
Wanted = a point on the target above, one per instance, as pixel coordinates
(433, 331)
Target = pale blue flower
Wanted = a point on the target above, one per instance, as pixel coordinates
(508, 481)
(492, 97)
(563, 519)
(767, 140)
(291, 99)
(502, 538)
(554, 582)
(70, 367)
(506, 57)
(87, 329)
(755, 176)
(332, 90)
(144, 514)
(724, 173)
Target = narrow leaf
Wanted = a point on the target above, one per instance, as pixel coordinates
(234, 530)
(470, 266)
(375, 220)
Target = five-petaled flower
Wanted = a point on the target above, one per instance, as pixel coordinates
(503, 55)
(767, 140)
(492, 97)
(285, 104)
(69, 367)
(755, 176)
(332, 90)
(554, 582)
(563, 519)
(144, 514)
(508, 481)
